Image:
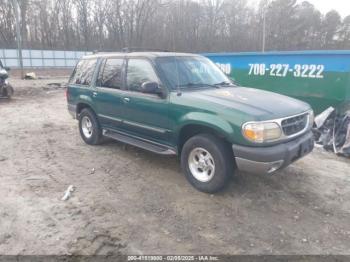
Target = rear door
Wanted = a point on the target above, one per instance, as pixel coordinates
(145, 115)
(109, 92)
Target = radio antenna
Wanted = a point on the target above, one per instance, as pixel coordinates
(175, 58)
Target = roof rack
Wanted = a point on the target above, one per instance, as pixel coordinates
(142, 49)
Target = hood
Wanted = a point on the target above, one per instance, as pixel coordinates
(263, 105)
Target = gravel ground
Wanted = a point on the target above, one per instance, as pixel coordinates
(129, 201)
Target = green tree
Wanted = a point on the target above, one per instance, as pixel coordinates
(344, 34)
(308, 25)
(330, 27)
(280, 24)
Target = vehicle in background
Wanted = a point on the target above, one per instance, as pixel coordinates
(182, 104)
(320, 78)
(6, 90)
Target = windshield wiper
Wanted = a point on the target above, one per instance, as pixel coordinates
(224, 83)
(190, 85)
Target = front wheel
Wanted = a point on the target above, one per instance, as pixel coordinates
(207, 162)
(9, 91)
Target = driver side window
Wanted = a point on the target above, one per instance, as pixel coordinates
(138, 72)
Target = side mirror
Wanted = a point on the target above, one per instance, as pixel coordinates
(7, 68)
(150, 88)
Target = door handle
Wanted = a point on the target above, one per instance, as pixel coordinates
(94, 94)
(126, 99)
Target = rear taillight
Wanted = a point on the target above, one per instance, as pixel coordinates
(67, 94)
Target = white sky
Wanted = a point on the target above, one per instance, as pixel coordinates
(341, 6)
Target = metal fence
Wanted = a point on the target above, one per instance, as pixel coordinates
(41, 58)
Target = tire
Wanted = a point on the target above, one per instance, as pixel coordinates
(9, 91)
(89, 127)
(210, 180)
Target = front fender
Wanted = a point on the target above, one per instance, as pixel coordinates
(212, 121)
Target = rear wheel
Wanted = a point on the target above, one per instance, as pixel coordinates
(90, 130)
(207, 162)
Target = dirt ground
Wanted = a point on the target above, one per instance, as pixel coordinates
(129, 201)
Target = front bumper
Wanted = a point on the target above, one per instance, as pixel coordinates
(266, 160)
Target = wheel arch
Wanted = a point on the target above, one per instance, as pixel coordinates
(82, 105)
(194, 128)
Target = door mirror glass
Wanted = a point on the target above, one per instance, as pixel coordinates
(150, 88)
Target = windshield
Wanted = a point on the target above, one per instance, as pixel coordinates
(191, 71)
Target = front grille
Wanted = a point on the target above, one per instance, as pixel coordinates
(295, 124)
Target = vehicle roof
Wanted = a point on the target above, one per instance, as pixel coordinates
(139, 54)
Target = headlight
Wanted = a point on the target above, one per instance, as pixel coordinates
(261, 132)
(311, 119)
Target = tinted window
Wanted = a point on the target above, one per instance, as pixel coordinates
(83, 72)
(111, 74)
(139, 71)
(74, 75)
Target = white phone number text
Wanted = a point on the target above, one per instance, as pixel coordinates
(282, 70)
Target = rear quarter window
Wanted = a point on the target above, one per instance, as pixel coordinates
(83, 72)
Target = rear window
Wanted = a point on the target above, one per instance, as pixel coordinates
(83, 72)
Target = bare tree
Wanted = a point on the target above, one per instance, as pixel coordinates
(83, 14)
(181, 25)
(7, 32)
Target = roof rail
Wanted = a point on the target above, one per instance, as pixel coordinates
(142, 49)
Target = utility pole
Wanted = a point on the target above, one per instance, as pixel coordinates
(264, 31)
(18, 36)
(266, 6)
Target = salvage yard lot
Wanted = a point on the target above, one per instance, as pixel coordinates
(130, 201)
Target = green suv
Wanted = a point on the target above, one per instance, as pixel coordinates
(182, 104)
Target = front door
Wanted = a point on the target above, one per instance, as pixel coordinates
(145, 115)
